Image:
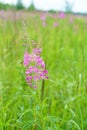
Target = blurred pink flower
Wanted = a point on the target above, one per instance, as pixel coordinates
(26, 58)
(55, 24)
(43, 17)
(37, 50)
(62, 15)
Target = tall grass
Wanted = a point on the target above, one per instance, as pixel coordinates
(64, 105)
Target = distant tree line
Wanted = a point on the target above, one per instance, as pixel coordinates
(5, 6)
(19, 6)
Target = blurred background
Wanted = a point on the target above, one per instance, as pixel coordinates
(76, 6)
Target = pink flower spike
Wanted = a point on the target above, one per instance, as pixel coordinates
(35, 67)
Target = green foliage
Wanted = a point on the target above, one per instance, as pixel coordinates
(31, 7)
(52, 11)
(65, 52)
(19, 5)
(5, 6)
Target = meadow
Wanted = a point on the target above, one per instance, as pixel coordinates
(63, 39)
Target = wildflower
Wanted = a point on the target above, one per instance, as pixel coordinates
(26, 57)
(62, 15)
(37, 50)
(43, 17)
(35, 67)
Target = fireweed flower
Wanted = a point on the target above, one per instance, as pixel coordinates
(43, 17)
(62, 15)
(37, 50)
(35, 67)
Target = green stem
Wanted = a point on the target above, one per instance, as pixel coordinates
(42, 91)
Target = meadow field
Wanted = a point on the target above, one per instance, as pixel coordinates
(59, 102)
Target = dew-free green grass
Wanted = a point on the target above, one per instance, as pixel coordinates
(64, 106)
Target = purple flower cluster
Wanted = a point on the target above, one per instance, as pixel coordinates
(62, 15)
(35, 67)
